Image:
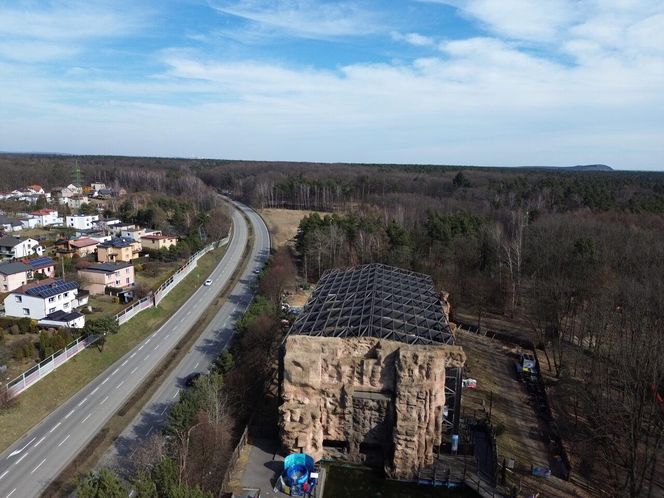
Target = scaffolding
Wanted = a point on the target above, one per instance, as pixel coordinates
(375, 300)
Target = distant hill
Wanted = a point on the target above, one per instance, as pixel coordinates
(591, 167)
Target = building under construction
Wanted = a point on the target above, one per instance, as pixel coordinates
(370, 372)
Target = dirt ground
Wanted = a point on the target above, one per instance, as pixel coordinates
(283, 224)
(498, 391)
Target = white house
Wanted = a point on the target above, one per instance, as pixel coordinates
(46, 217)
(97, 186)
(75, 201)
(8, 224)
(81, 222)
(12, 247)
(58, 319)
(39, 299)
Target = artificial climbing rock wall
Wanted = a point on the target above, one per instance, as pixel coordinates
(376, 396)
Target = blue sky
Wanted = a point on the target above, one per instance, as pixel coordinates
(485, 82)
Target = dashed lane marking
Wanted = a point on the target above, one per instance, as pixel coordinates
(132, 372)
(82, 401)
(103, 400)
(40, 464)
(94, 390)
(124, 363)
(176, 393)
(70, 413)
(133, 354)
(63, 441)
(39, 442)
(11, 493)
(56, 426)
(119, 385)
(4, 474)
(19, 460)
(87, 417)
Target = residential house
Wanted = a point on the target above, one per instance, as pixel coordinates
(80, 247)
(59, 319)
(97, 235)
(40, 266)
(39, 299)
(118, 249)
(12, 247)
(76, 201)
(8, 224)
(13, 276)
(28, 222)
(157, 242)
(36, 189)
(120, 227)
(97, 277)
(64, 194)
(104, 193)
(137, 232)
(96, 186)
(46, 217)
(81, 222)
(107, 224)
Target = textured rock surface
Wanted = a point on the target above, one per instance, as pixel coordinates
(377, 396)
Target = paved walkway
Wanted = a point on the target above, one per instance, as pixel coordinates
(262, 467)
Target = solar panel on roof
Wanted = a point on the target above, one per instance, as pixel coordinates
(43, 261)
(51, 289)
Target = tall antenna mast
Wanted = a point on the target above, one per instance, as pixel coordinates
(77, 175)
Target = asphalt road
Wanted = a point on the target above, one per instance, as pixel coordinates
(211, 342)
(29, 465)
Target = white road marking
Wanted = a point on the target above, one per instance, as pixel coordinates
(105, 381)
(83, 401)
(70, 413)
(114, 372)
(63, 441)
(147, 356)
(124, 363)
(176, 393)
(147, 341)
(149, 431)
(188, 312)
(141, 347)
(94, 390)
(181, 320)
(120, 385)
(19, 460)
(133, 354)
(16, 452)
(56, 426)
(196, 365)
(155, 348)
(103, 400)
(135, 368)
(4, 474)
(39, 442)
(88, 416)
(167, 336)
(40, 464)
(164, 410)
(11, 493)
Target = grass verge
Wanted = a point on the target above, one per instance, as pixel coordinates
(85, 461)
(44, 397)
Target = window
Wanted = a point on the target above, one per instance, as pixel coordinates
(66, 305)
(127, 279)
(19, 299)
(66, 294)
(51, 310)
(26, 311)
(51, 299)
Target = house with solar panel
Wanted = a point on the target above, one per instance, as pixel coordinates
(41, 299)
(370, 373)
(118, 249)
(40, 268)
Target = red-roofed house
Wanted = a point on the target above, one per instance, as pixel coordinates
(37, 189)
(81, 247)
(46, 217)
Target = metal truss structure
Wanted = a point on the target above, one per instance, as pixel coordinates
(375, 300)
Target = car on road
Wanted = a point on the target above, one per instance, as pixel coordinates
(208, 282)
(257, 272)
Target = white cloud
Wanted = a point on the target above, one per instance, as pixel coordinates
(304, 18)
(415, 39)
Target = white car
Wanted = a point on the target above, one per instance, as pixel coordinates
(208, 282)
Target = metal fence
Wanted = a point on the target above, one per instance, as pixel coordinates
(42, 369)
